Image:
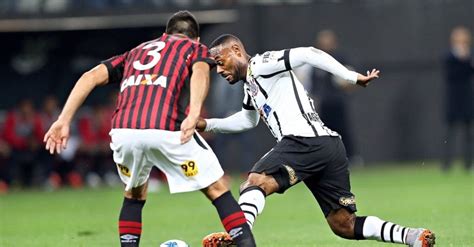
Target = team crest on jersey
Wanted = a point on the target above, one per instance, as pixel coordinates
(252, 83)
(253, 87)
(124, 170)
(189, 168)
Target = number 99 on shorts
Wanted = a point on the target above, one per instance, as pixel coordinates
(189, 168)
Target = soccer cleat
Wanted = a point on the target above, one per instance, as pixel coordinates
(425, 238)
(218, 239)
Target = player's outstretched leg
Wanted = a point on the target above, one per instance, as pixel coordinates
(372, 227)
(130, 219)
(230, 214)
(347, 225)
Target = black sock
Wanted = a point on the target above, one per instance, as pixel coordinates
(130, 222)
(234, 220)
(359, 228)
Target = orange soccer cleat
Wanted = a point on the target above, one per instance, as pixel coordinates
(218, 239)
(425, 238)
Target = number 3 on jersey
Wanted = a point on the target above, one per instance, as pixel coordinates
(155, 53)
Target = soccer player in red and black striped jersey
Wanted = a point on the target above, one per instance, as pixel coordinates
(163, 84)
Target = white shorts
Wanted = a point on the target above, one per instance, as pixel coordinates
(188, 167)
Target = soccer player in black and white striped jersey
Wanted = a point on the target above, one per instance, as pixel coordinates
(306, 149)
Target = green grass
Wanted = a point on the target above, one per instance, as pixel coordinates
(411, 195)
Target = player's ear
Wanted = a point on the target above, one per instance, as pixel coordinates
(236, 49)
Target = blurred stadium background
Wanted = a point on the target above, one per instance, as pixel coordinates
(398, 122)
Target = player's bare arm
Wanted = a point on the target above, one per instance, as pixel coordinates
(201, 124)
(58, 134)
(199, 88)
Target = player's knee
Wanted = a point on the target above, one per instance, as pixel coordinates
(220, 185)
(216, 189)
(343, 230)
(138, 193)
(265, 182)
(342, 225)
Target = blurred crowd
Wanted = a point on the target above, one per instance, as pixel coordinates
(87, 160)
(25, 162)
(58, 6)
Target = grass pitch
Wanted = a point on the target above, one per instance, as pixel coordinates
(412, 195)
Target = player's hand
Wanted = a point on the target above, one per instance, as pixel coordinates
(364, 80)
(188, 126)
(201, 125)
(57, 136)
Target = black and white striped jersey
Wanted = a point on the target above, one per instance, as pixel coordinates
(284, 105)
(274, 94)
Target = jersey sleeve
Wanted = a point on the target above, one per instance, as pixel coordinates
(321, 60)
(115, 67)
(270, 63)
(201, 54)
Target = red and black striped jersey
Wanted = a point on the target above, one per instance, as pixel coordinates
(154, 82)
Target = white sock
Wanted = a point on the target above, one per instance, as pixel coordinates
(252, 202)
(375, 228)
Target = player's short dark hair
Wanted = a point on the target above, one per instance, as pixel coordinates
(223, 39)
(183, 22)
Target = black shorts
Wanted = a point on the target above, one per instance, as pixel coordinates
(320, 162)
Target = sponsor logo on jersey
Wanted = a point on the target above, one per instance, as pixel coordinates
(145, 79)
(266, 109)
(128, 238)
(312, 116)
(189, 168)
(292, 178)
(269, 56)
(346, 201)
(124, 170)
(266, 57)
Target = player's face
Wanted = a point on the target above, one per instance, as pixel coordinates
(228, 64)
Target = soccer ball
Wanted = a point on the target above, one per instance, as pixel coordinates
(174, 243)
